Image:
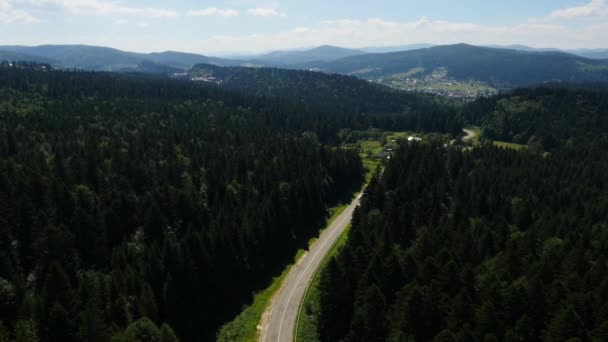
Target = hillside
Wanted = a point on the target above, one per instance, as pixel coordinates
(321, 53)
(359, 102)
(550, 117)
(453, 70)
(108, 59)
(184, 60)
(13, 56)
(497, 67)
(592, 53)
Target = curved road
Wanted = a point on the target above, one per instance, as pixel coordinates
(470, 134)
(279, 320)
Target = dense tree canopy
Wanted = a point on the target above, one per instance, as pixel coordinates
(133, 206)
(551, 115)
(486, 245)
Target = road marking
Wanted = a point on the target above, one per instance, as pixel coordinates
(304, 272)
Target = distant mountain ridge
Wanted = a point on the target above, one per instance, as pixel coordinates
(321, 53)
(104, 58)
(500, 67)
(110, 59)
(466, 62)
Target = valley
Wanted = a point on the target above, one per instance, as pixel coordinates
(246, 171)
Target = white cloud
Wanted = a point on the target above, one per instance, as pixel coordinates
(300, 30)
(377, 32)
(103, 8)
(214, 11)
(143, 25)
(595, 8)
(9, 14)
(266, 12)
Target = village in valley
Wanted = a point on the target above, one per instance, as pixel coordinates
(437, 83)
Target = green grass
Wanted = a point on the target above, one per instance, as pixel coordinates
(244, 326)
(397, 136)
(373, 146)
(370, 167)
(509, 145)
(333, 212)
(306, 329)
(476, 141)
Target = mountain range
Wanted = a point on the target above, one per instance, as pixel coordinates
(463, 62)
(497, 66)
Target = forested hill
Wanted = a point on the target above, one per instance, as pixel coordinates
(336, 94)
(553, 116)
(501, 67)
(134, 206)
(481, 245)
(104, 58)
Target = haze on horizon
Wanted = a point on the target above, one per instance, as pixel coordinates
(253, 26)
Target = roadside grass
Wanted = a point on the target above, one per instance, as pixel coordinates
(509, 145)
(307, 325)
(243, 328)
(370, 167)
(333, 212)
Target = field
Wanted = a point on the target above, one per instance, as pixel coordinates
(509, 145)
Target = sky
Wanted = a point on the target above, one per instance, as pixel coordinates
(252, 26)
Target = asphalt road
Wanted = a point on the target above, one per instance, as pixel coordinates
(279, 321)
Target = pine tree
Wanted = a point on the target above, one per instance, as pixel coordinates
(25, 331)
(167, 334)
(143, 330)
(147, 303)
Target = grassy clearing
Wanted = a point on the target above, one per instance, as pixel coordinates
(476, 141)
(306, 330)
(398, 136)
(244, 326)
(372, 146)
(509, 145)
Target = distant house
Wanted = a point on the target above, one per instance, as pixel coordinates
(411, 138)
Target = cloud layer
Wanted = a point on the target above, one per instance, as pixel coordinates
(378, 32)
(578, 26)
(266, 12)
(213, 11)
(97, 7)
(593, 9)
(9, 14)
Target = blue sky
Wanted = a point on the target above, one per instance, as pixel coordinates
(216, 27)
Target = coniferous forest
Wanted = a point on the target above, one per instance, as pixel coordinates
(123, 198)
(136, 207)
(486, 244)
